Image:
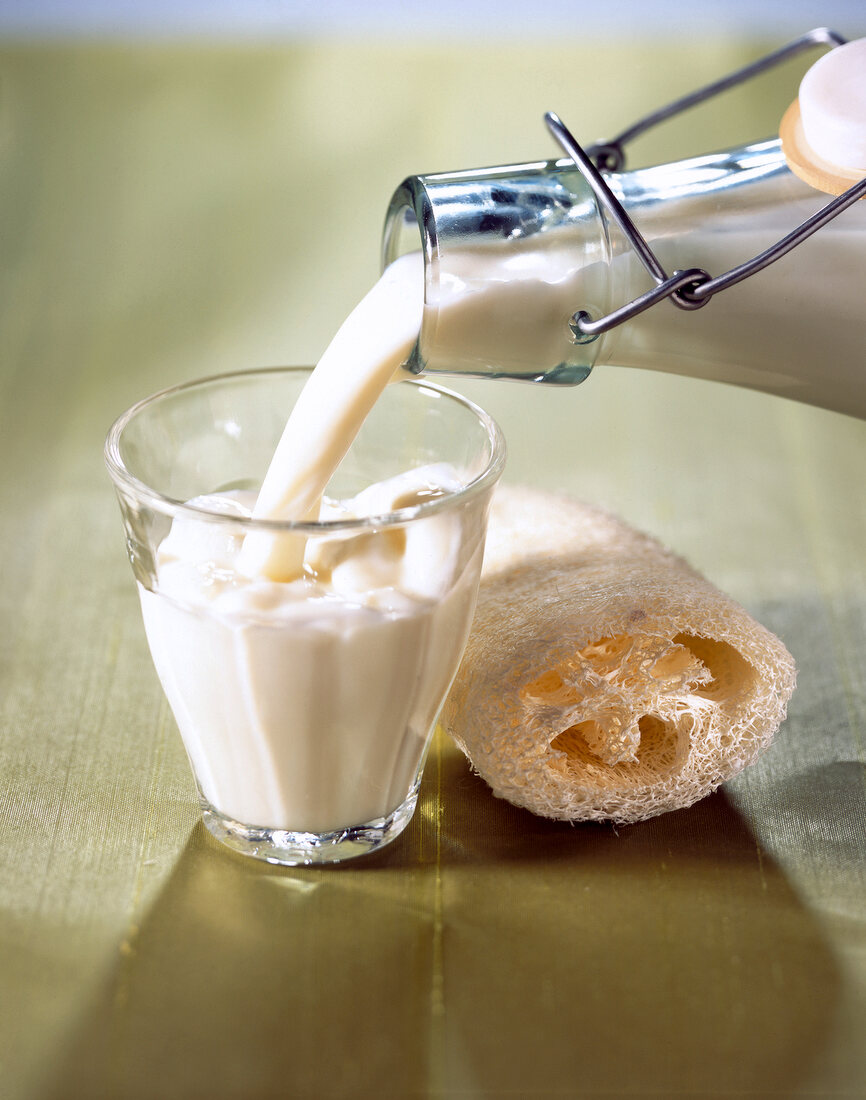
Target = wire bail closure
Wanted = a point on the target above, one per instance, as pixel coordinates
(692, 288)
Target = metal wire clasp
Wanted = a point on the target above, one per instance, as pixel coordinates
(692, 288)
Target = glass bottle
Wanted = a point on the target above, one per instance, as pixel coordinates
(512, 253)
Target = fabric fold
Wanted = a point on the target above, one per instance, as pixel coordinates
(604, 678)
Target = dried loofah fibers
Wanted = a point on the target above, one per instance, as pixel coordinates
(604, 679)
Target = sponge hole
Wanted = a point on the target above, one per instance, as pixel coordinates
(659, 754)
(732, 675)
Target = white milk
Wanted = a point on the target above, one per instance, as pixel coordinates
(308, 705)
(306, 675)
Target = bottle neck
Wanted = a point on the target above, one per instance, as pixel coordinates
(509, 255)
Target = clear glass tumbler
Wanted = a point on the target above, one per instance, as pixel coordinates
(306, 717)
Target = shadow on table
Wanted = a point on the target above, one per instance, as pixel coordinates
(487, 953)
(667, 958)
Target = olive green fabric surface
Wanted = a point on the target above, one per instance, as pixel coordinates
(173, 211)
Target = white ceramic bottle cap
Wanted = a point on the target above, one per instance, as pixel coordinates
(824, 131)
(833, 106)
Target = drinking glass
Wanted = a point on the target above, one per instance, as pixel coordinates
(306, 720)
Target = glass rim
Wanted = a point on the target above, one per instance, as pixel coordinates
(127, 483)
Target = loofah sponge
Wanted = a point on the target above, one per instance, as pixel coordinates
(604, 679)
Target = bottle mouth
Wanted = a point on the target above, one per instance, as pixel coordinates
(409, 222)
(410, 226)
(492, 308)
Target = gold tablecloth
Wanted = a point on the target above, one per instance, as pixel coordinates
(168, 211)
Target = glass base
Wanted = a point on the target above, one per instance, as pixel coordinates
(293, 849)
